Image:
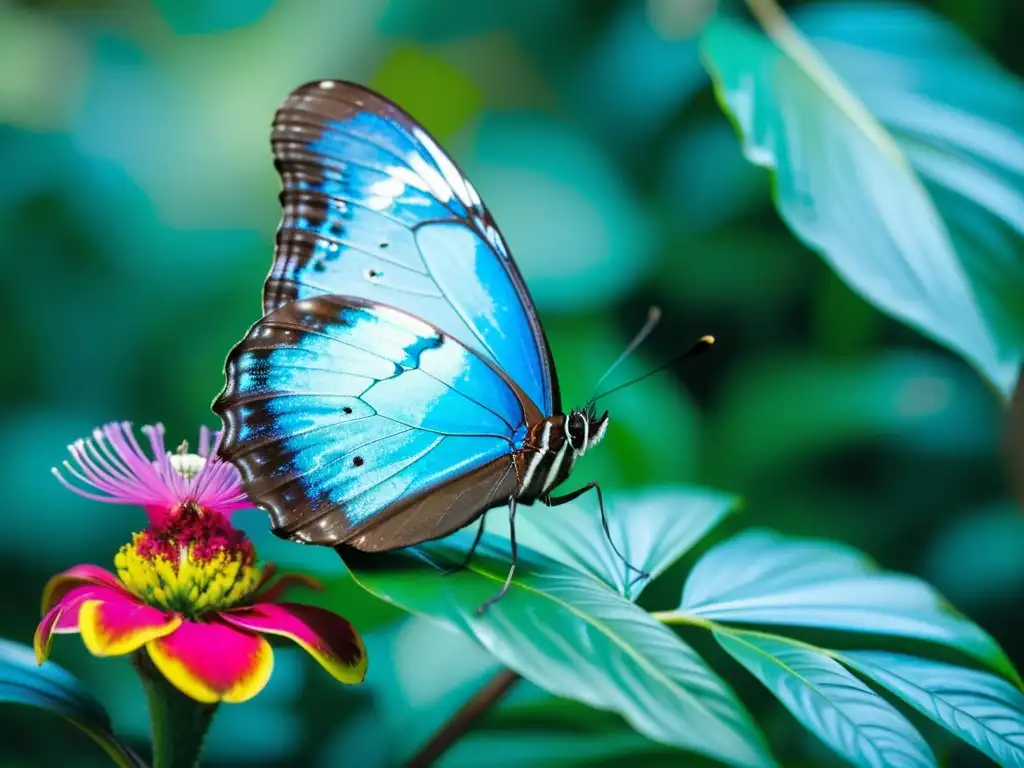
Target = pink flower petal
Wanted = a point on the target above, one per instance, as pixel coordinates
(283, 584)
(42, 640)
(218, 486)
(114, 627)
(326, 636)
(112, 466)
(62, 618)
(79, 575)
(211, 661)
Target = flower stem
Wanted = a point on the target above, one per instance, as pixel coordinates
(179, 722)
(461, 721)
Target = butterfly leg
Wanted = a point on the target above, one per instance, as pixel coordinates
(472, 549)
(512, 570)
(554, 501)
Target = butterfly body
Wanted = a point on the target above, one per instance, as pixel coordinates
(399, 384)
(551, 449)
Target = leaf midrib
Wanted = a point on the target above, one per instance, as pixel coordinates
(642, 660)
(911, 684)
(781, 664)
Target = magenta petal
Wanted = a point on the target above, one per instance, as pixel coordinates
(71, 602)
(88, 572)
(79, 575)
(63, 596)
(43, 638)
(212, 661)
(326, 636)
(114, 627)
(62, 618)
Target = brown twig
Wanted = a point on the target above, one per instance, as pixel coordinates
(462, 720)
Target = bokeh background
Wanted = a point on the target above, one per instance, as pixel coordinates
(138, 205)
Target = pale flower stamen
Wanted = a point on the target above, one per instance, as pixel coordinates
(188, 465)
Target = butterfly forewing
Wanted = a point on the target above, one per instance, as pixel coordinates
(345, 416)
(373, 208)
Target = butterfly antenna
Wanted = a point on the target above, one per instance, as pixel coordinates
(703, 344)
(653, 318)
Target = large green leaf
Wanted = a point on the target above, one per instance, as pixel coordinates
(52, 688)
(527, 727)
(983, 710)
(651, 529)
(925, 251)
(849, 717)
(569, 634)
(763, 577)
(549, 749)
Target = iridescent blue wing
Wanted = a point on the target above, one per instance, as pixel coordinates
(372, 207)
(357, 423)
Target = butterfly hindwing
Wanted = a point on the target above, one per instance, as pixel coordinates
(344, 415)
(373, 208)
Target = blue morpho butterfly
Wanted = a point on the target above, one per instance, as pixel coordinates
(400, 383)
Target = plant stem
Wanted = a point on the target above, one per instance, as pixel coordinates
(674, 617)
(179, 723)
(461, 721)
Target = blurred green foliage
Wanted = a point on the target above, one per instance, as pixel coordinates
(137, 214)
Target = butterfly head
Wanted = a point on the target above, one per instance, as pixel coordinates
(585, 429)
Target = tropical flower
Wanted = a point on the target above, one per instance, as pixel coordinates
(188, 589)
(113, 463)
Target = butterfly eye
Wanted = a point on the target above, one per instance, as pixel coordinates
(577, 431)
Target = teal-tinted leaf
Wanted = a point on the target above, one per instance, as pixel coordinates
(838, 708)
(52, 688)
(957, 116)
(934, 90)
(571, 635)
(850, 191)
(763, 577)
(528, 726)
(651, 529)
(548, 749)
(983, 710)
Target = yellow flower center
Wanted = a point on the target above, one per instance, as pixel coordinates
(193, 583)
